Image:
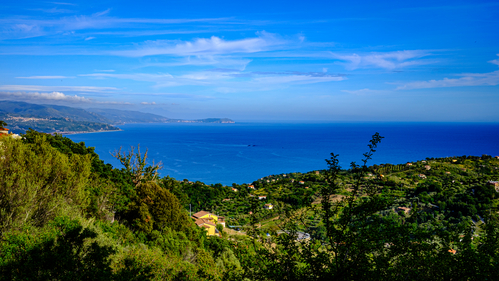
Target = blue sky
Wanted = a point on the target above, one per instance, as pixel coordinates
(257, 60)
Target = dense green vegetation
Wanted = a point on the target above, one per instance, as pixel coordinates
(66, 215)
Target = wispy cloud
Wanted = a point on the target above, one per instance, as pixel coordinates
(54, 11)
(89, 38)
(496, 61)
(363, 92)
(466, 79)
(64, 3)
(296, 79)
(25, 27)
(148, 103)
(205, 46)
(102, 13)
(136, 76)
(35, 88)
(46, 77)
(51, 96)
(184, 96)
(220, 61)
(215, 77)
(388, 60)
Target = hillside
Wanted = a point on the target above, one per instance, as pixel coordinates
(433, 219)
(54, 118)
(23, 109)
(116, 116)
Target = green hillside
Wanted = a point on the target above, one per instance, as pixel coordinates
(433, 219)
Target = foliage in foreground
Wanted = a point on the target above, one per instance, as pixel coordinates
(65, 215)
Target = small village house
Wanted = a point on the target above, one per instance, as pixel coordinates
(209, 226)
(209, 222)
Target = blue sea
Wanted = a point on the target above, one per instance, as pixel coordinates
(244, 152)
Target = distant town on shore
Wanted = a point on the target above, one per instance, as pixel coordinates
(66, 120)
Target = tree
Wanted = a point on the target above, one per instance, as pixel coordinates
(151, 206)
(37, 181)
(154, 207)
(136, 166)
(3, 124)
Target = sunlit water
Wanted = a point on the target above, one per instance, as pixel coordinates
(244, 152)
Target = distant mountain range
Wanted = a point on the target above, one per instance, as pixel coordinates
(20, 116)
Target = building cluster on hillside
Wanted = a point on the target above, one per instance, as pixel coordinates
(209, 222)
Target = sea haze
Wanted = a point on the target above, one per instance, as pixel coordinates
(244, 152)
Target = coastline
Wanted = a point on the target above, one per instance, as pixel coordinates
(85, 132)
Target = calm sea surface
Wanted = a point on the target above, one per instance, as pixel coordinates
(243, 152)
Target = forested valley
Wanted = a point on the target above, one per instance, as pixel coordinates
(67, 215)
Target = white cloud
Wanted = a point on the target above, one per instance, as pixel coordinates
(98, 14)
(496, 61)
(54, 11)
(389, 60)
(221, 61)
(35, 88)
(23, 27)
(164, 80)
(467, 79)
(135, 76)
(297, 79)
(148, 103)
(218, 76)
(53, 96)
(205, 46)
(89, 38)
(63, 3)
(46, 77)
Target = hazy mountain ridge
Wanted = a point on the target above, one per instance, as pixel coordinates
(118, 116)
(24, 109)
(55, 118)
